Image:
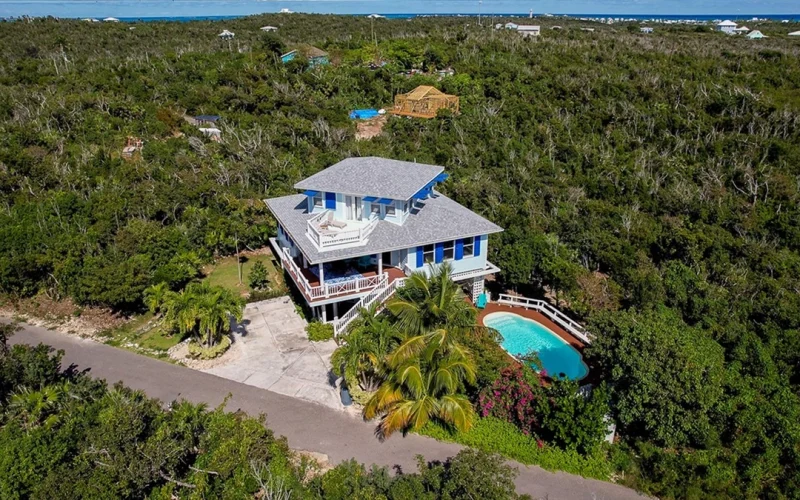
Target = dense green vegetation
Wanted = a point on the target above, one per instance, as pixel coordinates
(650, 182)
(65, 435)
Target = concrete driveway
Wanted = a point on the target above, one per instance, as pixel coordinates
(275, 354)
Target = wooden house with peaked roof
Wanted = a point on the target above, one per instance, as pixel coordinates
(424, 102)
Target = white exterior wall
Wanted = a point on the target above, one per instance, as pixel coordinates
(465, 264)
(340, 213)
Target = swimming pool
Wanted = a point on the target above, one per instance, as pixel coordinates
(523, 335)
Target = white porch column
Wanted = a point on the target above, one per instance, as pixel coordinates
(322, 277)
(380, 264)
(324, 313)
(305, 262)
(335, 311)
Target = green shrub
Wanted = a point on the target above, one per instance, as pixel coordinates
(198, 351)
(259, 295)
(319, 332)
(358, 394)
(258, 278)
(495, 436)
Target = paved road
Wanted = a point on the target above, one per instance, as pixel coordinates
(307, 426)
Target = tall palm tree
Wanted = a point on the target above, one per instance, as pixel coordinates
(425, 381)
(427, 302)
(363, 350)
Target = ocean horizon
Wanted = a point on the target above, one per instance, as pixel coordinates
(217, 10)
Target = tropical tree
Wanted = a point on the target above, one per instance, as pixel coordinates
(199, 309)
(425, 381)
(34, 408)
(362, 353)
(431, 301)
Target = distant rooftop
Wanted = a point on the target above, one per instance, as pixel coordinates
(373, 176)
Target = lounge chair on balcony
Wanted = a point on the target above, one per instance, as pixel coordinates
(337, 224)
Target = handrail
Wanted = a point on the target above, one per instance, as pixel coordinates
(551, 312)
(354, 285)
(380, 295)
(340, 237)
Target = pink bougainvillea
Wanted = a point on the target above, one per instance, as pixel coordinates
(512, 398)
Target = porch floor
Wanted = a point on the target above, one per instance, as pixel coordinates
(493, 307)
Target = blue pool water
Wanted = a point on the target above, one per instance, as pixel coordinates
(522, 335)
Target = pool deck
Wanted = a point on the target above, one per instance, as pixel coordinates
(536, 316)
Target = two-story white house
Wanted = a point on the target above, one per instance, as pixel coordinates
(362, 225)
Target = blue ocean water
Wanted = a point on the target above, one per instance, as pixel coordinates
(227, 9)
(522, 336)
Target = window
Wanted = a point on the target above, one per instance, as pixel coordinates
(317, 200)
(390, 210)
(469, 247)
(449, 250)
(427, 253)
(375, 209)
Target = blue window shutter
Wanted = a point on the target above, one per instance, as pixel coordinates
(330, 201)
(478, 245)
(459, 249)
(420, 257)
(439, 253)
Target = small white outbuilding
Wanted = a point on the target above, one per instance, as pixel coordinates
(727, 27)
(226, 35)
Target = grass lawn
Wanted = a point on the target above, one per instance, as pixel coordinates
(141, 335)
(224, 273)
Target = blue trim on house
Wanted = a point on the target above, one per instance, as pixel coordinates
(441, 177)
(310, 192)
(459, 249)
(330, 201)
(438, 254)
(370, 199)
(420, 256)
(478, 245)
(386, 201)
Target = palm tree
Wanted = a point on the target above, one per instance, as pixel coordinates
(199, 309)
(34, 408)
(362, 353)
(154, 296)
(429, 302)
(426, 376)
(215, 307)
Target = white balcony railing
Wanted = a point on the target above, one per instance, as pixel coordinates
(350, 286)
(550, 312)
(321, 234)
(379, 295)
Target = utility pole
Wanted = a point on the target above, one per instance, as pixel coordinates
(480, 2)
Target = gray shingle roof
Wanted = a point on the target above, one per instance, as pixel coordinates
(373, 176)
(438, 218)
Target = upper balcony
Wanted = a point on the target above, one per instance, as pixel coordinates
(327, 232)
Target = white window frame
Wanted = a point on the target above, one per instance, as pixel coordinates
(469, 243)
(317, 201)
(393, 212)
(426, 250)
(372, 210)
(449, 248)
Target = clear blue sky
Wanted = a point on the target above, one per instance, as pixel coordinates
(154, 8)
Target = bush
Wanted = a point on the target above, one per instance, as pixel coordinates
(319, 332)
(572, 420)
(198, 351)
(259, 295)
(258, 278)
(512, 398)
(495, 436)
